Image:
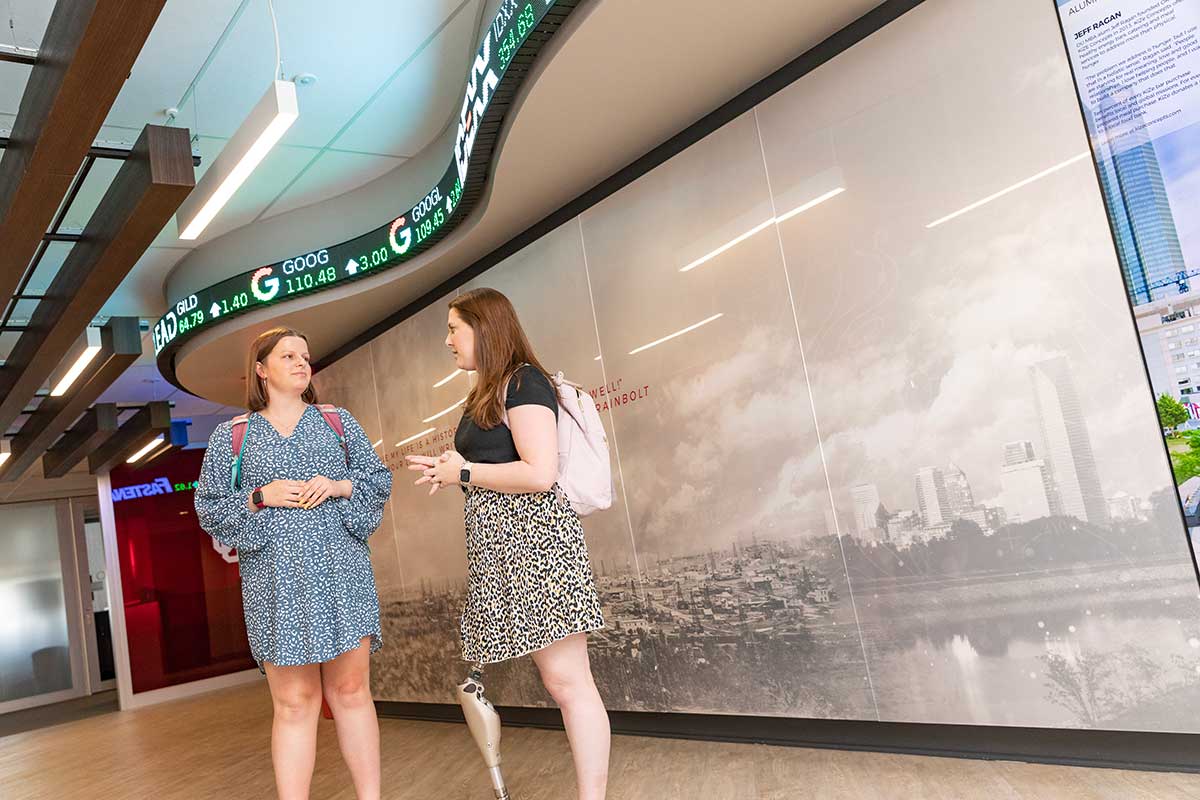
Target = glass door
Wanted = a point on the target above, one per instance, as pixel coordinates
(39, 637)
(95, 596)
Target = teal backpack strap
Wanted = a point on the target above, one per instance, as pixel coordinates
(334, 420)
(240, 425)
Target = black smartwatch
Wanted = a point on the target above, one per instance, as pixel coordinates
(256, 497)
(464, 474)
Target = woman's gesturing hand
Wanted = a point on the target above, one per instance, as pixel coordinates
(440, 471)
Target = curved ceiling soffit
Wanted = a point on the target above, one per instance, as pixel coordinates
(517, 33)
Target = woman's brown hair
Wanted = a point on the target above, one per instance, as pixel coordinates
(501, 348)
(256, 387)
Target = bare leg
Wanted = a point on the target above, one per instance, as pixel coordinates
(347, 682)
(296, 696)
(567, 675)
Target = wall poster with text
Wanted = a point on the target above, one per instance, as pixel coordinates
(1137, 70)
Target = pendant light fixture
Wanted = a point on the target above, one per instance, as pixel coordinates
(262, 129)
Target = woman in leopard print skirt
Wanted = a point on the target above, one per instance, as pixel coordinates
(530, 588)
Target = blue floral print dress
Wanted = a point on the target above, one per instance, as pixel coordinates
(308, 590)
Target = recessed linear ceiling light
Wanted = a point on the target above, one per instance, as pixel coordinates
(5, 450)
(149, 446)
(166, 445)
(263, 127)
(91, 346)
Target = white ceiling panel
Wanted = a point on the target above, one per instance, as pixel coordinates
(56, 253)
(139, 383)
(169, 237)
(184, 35)
(92, 191)
(187, 405)
(415, 107)
(141, 293)
(28, 19)
(332, 174)
(352, 52)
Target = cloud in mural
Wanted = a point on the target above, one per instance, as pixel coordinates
(945, 376)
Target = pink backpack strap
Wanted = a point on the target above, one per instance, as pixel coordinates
(334, 420)
(240, 424)
(330, 412)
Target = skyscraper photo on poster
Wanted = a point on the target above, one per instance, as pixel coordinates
(1137, 71)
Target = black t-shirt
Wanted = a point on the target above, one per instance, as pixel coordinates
(527, 387)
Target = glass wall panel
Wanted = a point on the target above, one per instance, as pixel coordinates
(1011, 535)
(35, 656)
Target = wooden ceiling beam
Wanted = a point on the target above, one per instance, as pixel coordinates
(99, 151)
(120, 347)
(95, 428)
(142, 198)
(85, 57)
(151, 421)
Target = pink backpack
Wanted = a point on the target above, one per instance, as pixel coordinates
(584, 468)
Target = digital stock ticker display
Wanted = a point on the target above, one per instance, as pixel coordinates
(509, 45)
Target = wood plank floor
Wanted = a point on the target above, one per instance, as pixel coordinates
(217, 746)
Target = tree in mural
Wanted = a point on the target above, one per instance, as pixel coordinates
(1077, 685)
(1097, 688)
(1171, 412)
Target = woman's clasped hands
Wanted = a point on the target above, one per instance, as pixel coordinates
(307, 494)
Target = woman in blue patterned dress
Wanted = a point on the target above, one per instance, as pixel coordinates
(299, 517)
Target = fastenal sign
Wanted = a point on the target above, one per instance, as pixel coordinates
(160, 485)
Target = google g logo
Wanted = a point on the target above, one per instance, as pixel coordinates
(257, 283)
(405, 235)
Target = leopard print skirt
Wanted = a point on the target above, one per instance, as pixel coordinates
(529, 578)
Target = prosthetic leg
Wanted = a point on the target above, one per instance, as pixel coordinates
(484, 723)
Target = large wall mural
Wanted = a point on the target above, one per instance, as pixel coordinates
(882, 435)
